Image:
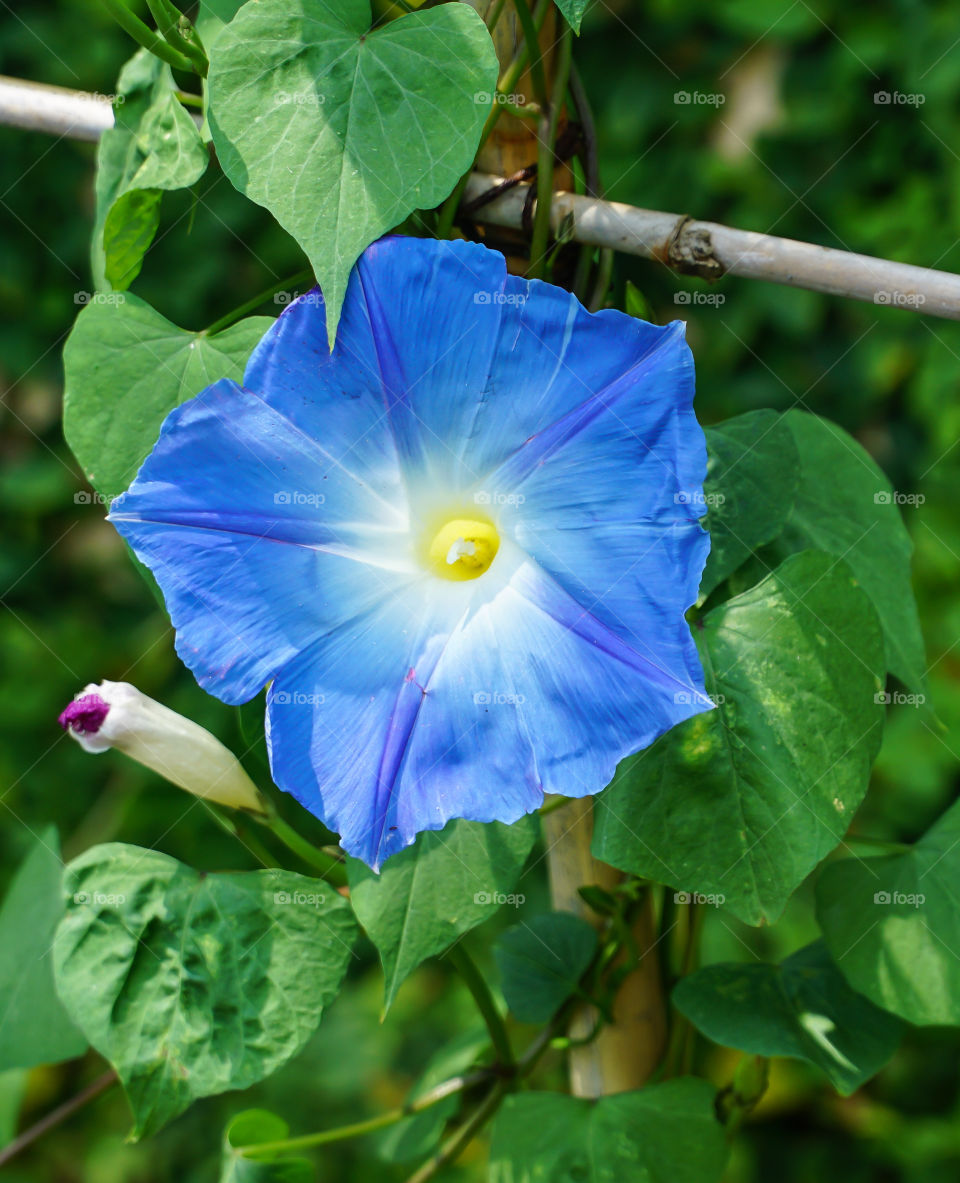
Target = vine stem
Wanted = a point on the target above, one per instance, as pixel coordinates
(546, 142)
(254, 302)
(463, 1136)
(168, 18)
(449, 1088)
(57, 1116)
(476, 983)
(330, 866)
(682, 1032)
(508, 80)
(145, 36)
(531, 37)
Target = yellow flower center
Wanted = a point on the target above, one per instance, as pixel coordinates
(463, 548)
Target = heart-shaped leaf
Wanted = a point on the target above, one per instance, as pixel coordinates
(741, 803)
(126, 367)
(340, 131)
(191, 984)
(893, 925)
(802, 1008)
(447, 883)
(666, 1133)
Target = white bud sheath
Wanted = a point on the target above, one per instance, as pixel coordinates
(117, 715)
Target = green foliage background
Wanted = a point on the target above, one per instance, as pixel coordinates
(832, 166)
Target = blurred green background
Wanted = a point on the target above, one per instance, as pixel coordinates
(799, 147)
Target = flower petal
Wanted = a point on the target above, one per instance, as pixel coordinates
(608, 497)
(260, 540)
(468, 713)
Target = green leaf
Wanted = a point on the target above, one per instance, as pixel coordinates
(893, 925)
(541, 961)
(416, 1136)
(666, 1133)
(802, 1008)
(190, 983)
(742, 802)
(13, 1086)
(256, 1127)
(154, 145)
(846, 506)
(127, 233)
(342, 132)
(635, 302)
(35, 1028)
(447, 883)
(126, 367)
(573, 11)
(751, 484)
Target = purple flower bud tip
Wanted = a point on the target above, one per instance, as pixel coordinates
(85, 715)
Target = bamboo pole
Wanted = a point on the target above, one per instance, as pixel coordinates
(625, 1053)
(685, 245)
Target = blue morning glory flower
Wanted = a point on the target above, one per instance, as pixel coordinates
(459, 548)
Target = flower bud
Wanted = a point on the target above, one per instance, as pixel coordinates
(117, 715)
